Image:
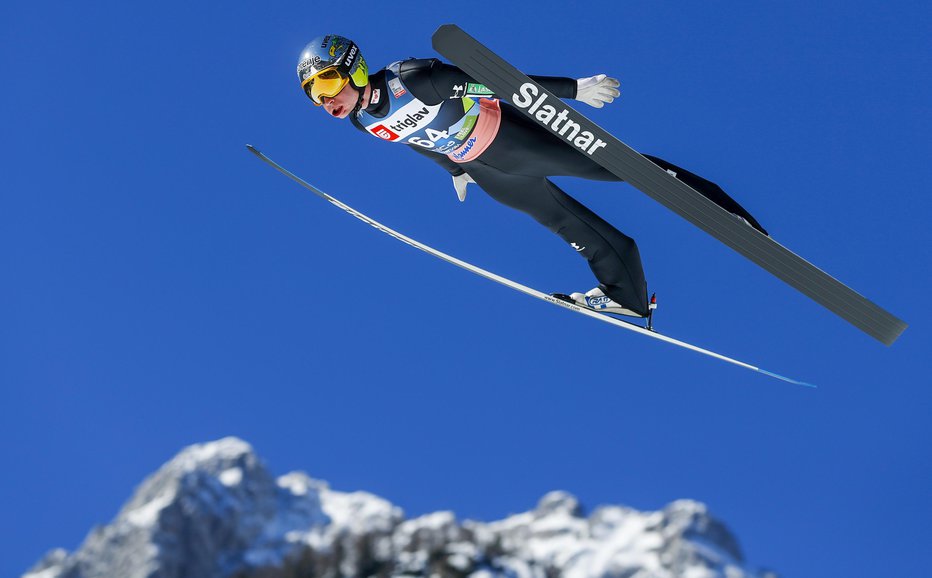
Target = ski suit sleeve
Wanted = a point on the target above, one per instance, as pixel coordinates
(433, 81)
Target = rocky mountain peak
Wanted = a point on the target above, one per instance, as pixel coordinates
(215, 511)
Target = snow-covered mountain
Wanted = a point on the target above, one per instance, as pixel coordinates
(215, 511)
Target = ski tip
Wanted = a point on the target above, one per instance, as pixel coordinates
(448, 27)
(447, 30)
(787, 379)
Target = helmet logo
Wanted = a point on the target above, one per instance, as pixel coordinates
(350, 57)
(308, 63)
(306, 67)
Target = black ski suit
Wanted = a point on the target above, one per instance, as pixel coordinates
(513, 170)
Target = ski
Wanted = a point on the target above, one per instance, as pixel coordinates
(592, 141)
(555, 300)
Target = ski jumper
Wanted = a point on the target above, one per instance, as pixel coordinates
(443, 114)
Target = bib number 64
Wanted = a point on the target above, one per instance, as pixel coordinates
(433, 135)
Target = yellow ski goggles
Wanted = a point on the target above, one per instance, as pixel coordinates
(326, 83)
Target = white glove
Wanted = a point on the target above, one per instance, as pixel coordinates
(459, 183)
(597, 90)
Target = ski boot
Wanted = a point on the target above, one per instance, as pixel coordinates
(597, 300)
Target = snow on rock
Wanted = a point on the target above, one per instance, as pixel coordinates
(359, 512)
(201, 514)
(214, 511)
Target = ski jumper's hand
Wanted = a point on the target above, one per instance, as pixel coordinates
(597, 90)
(459, 183)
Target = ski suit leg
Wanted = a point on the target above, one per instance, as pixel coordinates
(514, 171)
(612, 256)
(523, 147)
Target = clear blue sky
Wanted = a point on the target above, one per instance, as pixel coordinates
(161, 287)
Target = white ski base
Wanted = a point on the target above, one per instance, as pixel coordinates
(514, 284)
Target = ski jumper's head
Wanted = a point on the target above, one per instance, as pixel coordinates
(333, 74)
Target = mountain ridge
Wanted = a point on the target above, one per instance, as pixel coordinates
(215, 511)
